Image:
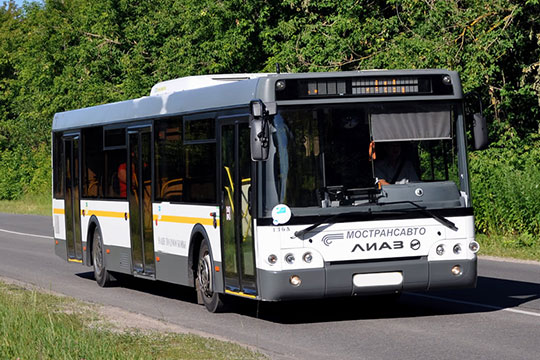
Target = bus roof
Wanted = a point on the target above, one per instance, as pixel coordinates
(210, 92)
(235, 93)
(199, 81)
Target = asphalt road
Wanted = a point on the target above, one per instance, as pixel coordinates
(500, 319)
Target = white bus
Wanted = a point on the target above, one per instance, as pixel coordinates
(272, 186)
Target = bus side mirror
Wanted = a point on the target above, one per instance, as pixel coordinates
(259, 130)
(259, 139)
(480, 131)
(479, 127)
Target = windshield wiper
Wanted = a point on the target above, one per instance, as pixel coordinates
(449, 224)
(301, 233)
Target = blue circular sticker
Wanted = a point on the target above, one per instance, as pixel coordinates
(281, 214)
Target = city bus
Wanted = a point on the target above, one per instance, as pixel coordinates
(272, 187)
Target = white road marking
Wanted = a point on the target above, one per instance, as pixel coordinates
(492, 307)
(24, 234)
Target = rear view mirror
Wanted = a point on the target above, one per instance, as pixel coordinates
(479, 126)
(480, 131)
(259, 140)
(259, 131)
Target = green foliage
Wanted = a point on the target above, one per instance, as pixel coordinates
(506, 186)
(24, 171)
(490, 45)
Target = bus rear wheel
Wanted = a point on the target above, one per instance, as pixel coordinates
(102, 276)
(205, 281)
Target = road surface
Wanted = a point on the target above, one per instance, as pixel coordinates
(500, 319)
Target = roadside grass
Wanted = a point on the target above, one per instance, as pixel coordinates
(36, 325)
(524, 247)
(36, 204)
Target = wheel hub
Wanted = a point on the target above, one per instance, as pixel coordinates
(204, 275)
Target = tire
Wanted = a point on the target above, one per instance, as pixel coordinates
(102, 276)
(205, 281)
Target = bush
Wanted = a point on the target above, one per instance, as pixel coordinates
(506, 189)
(24, 172)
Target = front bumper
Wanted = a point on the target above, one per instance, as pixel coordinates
(336, 279)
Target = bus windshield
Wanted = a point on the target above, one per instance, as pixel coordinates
(335, 156)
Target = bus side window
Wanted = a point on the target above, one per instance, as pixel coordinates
(200, 177)
(169, 160)
(58, 174)
(92, 162)
(114, 160)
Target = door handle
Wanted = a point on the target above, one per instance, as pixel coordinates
(214, 215)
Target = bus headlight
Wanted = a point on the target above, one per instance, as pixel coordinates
(289, 258)
(440, 250)
(474, 246)
(272, 259)
(308, 257)
(457, 249)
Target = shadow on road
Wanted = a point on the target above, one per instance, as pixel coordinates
(493, 292)
(158, 288)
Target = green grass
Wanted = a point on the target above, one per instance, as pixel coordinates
(35, 325)
(522, 247)
(40, 204)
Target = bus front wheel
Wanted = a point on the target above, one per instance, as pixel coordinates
(205, 281)
(102, 276)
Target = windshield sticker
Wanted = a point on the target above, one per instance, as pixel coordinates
(281, 214)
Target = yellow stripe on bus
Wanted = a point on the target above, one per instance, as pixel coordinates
(185, 220)
(75, 260)
(58, 211)
(164, 218)
(113, 214)
(241, 294)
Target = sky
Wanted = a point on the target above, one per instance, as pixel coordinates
(20, 2)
